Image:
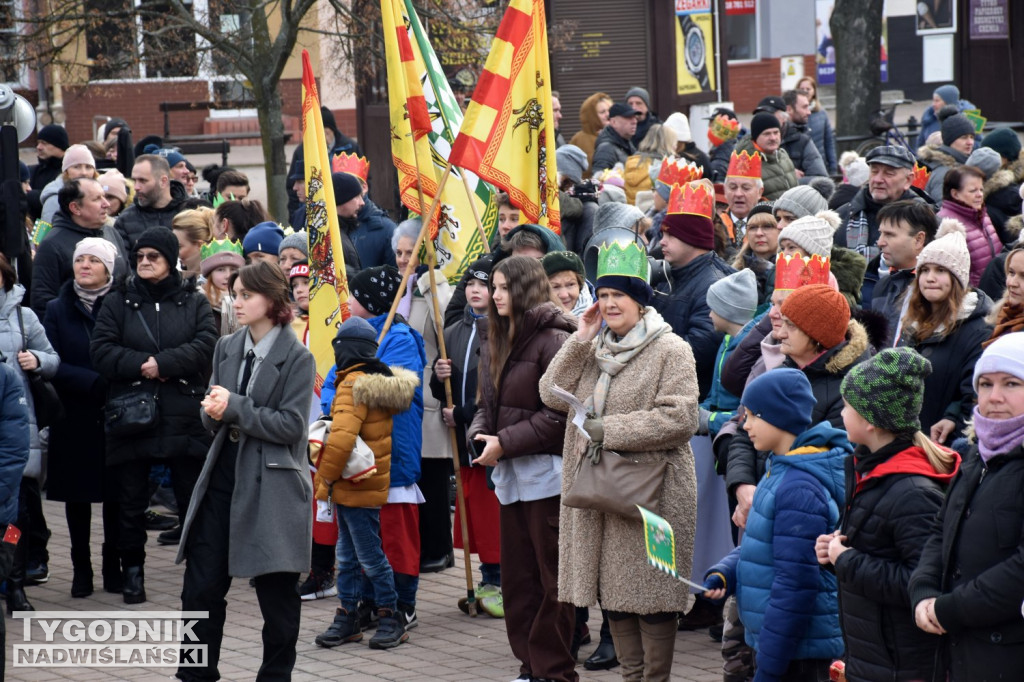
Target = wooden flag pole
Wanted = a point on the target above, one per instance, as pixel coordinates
(472, 605)
(412, 261)
(476, 216)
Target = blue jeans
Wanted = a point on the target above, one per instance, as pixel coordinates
(359, 546)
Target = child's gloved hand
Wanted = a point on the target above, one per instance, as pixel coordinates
(714, 587)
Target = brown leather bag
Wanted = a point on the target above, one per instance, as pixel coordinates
(610, 483)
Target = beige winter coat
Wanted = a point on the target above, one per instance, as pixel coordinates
(437, 443)
(650, 414)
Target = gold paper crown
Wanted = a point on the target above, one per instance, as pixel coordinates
(921, 176)
(622, 260)
(351, 163)
(722, 129)
(693, 198)
(219, 246)
(794, 271)
(744, 165)
(679, 172)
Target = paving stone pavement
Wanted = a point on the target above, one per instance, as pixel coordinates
(447, 644)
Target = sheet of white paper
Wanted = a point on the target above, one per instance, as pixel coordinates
(577, 407)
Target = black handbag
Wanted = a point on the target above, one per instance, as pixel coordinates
(48, 407)
(138, 409)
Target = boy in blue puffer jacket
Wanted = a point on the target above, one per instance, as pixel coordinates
(788, 604)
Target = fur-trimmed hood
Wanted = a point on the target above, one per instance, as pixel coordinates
(849, 353)
(933, 157)
(380, 392)
(1012, 175)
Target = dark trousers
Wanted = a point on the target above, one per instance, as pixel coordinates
(79, 517)
(435, 512)
(207, 582)
(35, 533)
(539, 626)
(131, 480)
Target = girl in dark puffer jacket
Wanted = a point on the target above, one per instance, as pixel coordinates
(895, 482)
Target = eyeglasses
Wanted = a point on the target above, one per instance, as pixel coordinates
(151, 256)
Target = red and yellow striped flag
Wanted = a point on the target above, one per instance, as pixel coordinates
(328, 286)
(508, 135)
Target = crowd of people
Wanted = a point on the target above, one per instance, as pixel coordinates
(818, 360)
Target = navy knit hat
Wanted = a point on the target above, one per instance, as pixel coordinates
(356, 328)
(346, 187)
(264, 237)
(781, 397)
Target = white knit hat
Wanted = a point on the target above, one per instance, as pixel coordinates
(814, 233)
(949, 249)
(681, 125)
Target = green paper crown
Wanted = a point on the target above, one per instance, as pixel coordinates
(622, 260)
(219, 246)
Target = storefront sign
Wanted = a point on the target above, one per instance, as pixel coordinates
(989, 20)
(695, 47)
(740, 7)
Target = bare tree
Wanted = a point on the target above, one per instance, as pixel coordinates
(857, 33)
(250, 40)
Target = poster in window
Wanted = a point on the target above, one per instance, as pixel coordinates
(695, 47)
(936, 16)
(825, 53)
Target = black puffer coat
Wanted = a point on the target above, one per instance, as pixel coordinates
(746, 464)
(949, 389)
(684, 305)
(180, 320)
(974, 563)
(893, 495)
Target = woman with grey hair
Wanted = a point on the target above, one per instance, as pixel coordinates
(436, 468)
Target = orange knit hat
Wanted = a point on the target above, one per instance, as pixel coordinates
(819, 311)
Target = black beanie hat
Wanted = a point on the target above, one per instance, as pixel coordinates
(375, 288)
(55, 135)
(163, 240)
(1004, 141)
(762, 122)
(346, 187)
(955, 127)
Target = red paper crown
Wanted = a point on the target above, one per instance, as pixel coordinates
(921, 176)
(744, 165)
(693, 198)
(351, 163)
(679, 172)
(795, 271)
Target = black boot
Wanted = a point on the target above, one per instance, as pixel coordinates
(81, 582)
(133, 589)
(111, 569)
(16, 599)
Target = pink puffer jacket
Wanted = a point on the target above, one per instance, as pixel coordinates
(982, 240)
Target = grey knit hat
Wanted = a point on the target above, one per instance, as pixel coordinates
(801, 201)
(641, 93)
(734, 298)
(813, 233)
(614, 214)
(296, 240)
(986, 160)
(955, 127)
(572, 162)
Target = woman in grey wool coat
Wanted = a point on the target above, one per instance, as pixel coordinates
(251, 512)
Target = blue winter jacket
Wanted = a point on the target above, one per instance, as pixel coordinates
(788, 603)
(14, 440)
(721, 403)
(372, 236)
(930, 122)
(402, 347)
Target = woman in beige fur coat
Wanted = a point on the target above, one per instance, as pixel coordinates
(639, 378)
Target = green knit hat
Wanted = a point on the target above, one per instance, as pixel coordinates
(888, 389)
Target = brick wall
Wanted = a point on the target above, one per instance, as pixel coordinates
(748, 83)
(138, 102)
